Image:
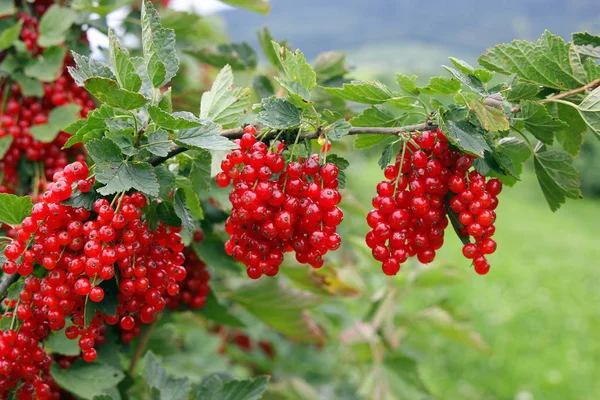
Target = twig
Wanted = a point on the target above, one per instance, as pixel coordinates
(238, 132)
(590, 86)
(141, 346)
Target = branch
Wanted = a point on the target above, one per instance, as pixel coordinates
(590, 86)
(7, 281)
(238, 132)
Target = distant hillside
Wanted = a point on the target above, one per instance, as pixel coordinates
(468, 25)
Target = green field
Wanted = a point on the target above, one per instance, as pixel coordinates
(537, 308)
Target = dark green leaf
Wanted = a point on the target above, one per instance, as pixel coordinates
(14, 291)
(166, 180)
(587, 44)
(158, 378)
(258, 6)
(58, 119)
(107, 306)
(85, 200)
(184, 214)
(571, 138)
(377, 116)
(386, 156)
(517, 150)
(224, 104)
(5, 143)
(371, 92)
(108, 91)
(218, 313)
(279, 114)
(541, 124)
(342, 164)
(58, 343)
(522, 91)
(408, 84)
(206, 137)
(125, 140)
(466, 137)
(9, 35)
(213, 387)
(211, 251)
(558, 178)
(240, 56)
(48, 66)
(166, 213)
(89, 68)
(14, 209)
(469, 80)
(86, 380)
(338, 129)
(159, 143)
(200, 171)
(54, 25)
(124, 69)
(176, 121)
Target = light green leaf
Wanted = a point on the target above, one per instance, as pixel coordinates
(377, 116)
(207, 136)
(300, 78)
(558, 178)
(259, 6)
(87, 380)
(442, 85)
(490, 113)
(338, 129)
(89, 68)
(370, 92)
(587, 44)
(213, 387)
(29, 86)
(48, 66)
(222, 103)
(108, 91)
(101, 7)
(408, 84)
(159, 143)
(240, 56)
(158, 44)
(483, 75)
(406, 369)
(124, 69)
(5, 143)
(95, 122)
(278, 113)
(13, 209)
(176, 121)
(54, 25)
(546, 62)
(58, 119)
(158, 378)
(466, 137)
(462, 66)
(58, 343)
(541, 124)
(9, 35)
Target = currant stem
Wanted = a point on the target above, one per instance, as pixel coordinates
(141, 346)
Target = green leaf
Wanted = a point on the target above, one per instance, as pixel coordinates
(219, 313)
(158, 44)
(541, 124)
(240, 56)
(329, 66)
(166, 180)
(5, 143)
(157, 377)
(7, 8)
(176, 121)
(516, 149)
(222, 103)
(166, 213)
(587, 44)
(54, 25)
(213, 387)
(278, 113)
(522, 91)
(286, 315)
(300, 78)
(95, 123)
(386, 156)
(124, 69)
(200, 172)
(377, 116)
(259, 6)
(462, 66)
(159, 143)
(85, 200)
(442, 85)
(490, 113)
(48, 66)
(58, 119)
(466, 137)
(368, 140)
(13, 209)
(469, 80)
(571, 138)
(87, 68)
(184, 214)
(342, 164)
(404, 368)
(338, 129)
(119, 175)
(546, 62)
(558, 178)
(107, 306)
(265, 39)
(211, 251)
(207, 136)
(29, 86)
(408, 84)
(263, 86)
(483, 75)
(370, 92)
(14, 291)
(58, 343)
(8, 36)
(86, 380)
(108, 91)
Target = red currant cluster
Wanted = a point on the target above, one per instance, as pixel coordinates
(194, 288)
(242, 341)
(30, 32)
(410, 214)
(80, 253)
(279, 207)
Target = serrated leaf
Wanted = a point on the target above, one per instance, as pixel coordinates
(48, 66)
(219, 313)
(108, 91)
(408, 84)
(240, 56)
(370, 92)
(587, 44)
(386, 156)
(377, 116)
(58, 119)
(88, 68)
(95, 122)
(9, 35)
(124, 69)
(176, 121)
(299, 78)
(5, 143)
(442, 85)
(13, 209)
(258, 6)
(265, 39)
(54, 25)
(213, 387)
(516, 149)
(483, 75)
(522, 91)
(490, 114)
(85, 200)
(557, 177)
(338, 129)
(206, 137)
(570, 138)
(466, 137)
(158, 44)
(86, 380)
(157, 377)
(279, 114)
(166, 103)
(200, 172)
(159, 143)
(541, 124)
(185, 215)
(286, 315)
(223, 104)
(546, 62)
(469, 80)
(166, 180)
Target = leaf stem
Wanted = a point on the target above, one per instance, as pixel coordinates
(141, 346)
